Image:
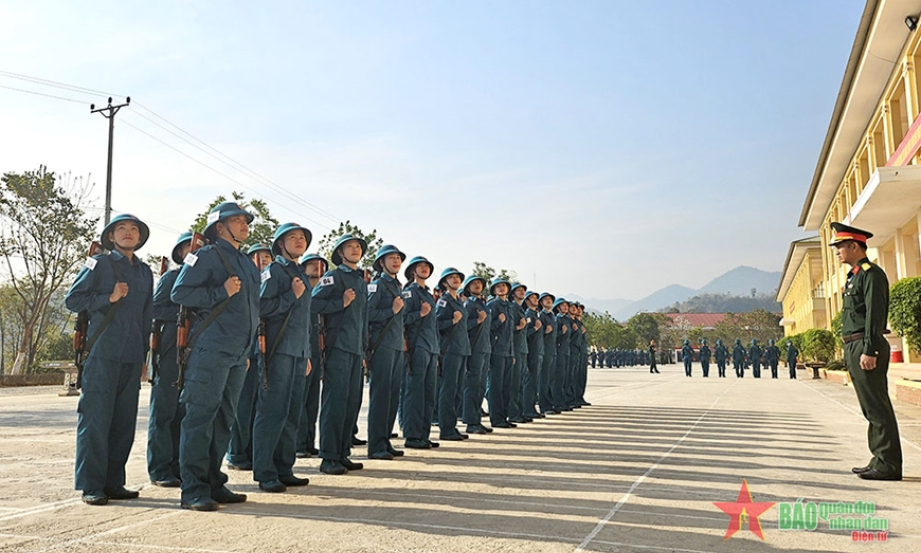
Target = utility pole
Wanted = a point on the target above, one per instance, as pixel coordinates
(109, 113)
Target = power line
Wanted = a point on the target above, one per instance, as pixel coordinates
(55, 84)
(41, 94)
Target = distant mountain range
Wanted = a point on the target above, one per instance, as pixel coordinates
(737, 282)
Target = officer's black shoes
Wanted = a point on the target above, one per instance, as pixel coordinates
(200, 504)
(170, 482)
(239, 466)
(294, 481)
(120, 493)
(350, 465)
(395, 452)
(432, 444)
(359, 441)
(381, 456)
(95, 498)
(331, 466)
(452, 438)
(586, 404)
(272, 486)
(874, 474)
(303, 455)
(224, 495)
(860, 470)
(472, 429)
(465, 436)
(414, 443)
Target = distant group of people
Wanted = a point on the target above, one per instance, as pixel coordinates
(754, 356)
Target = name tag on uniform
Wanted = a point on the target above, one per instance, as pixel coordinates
(407, 293)
(190, 259)
(372, 288)
(90, 263)
(266, 275)
(528, 319)
(442, 303)
(327, 280)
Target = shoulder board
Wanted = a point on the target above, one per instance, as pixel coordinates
(866, 266)
(372, 288)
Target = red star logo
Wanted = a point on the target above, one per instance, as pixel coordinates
(744, 509)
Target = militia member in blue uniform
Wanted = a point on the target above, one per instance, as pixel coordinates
(520, 354)
(386, 356)
(115, 290)
(422, 338)
(792, 352)
(564, 332)
(865, 310)
(754, 355)
(772, 357)
(687, 355)
(314, 267)
(738, 358)
(580, 359)
(166, 413)
(502, 325)
(284, 304)
(705, 357)
(721, 353)
(480, 350)
(451, 316)
(535, 356)
(652, 357)
(342, 298)
(240, 451)
(222, 284)
(548, 364)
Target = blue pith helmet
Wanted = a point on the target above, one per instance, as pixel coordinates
(258, 247)
(448, 272)
(545, 295)
(284, 229)
(495, 282)
(719, 342)
(516, 286)
(143, 231)
(771, 342)
(312, 256)
(222, 212)
(687, 342)
(386, 250)
(409, 271)
(529, 294)
(336, 258)
(469, 280)
(754, 342)
(703, 341)
(183, 238)
(558, 302)
(738, 342)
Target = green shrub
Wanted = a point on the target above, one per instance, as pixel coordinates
(836, 365)
(905, 310)
(818, 345)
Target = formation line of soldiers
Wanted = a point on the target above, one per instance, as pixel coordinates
(269, 353)
(755, 355)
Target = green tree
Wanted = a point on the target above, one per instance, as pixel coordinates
(645, 326)
(44, 236)
(483, 270)
(262, 229)
(374, 242)
(904, 311)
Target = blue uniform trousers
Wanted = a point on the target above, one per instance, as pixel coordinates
(739, 367)
(240, 450)
(773, 365)
(212, 389)
(452, 369)
(705, 367)
(544, 383)
(687, 366)
(307, 426)
(384, 396)
(515, 384)
(500, 369)
(165, 418)
(473, 388)
(721, 368)
(791, 365)
(756, 369)
(557, 395)
(419, 399)
(340, 403)
(529, 387)
(107, 415)
(278, 412)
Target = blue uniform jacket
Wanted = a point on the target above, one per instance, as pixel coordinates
(549, 338)
(201, 286)
(276, 300)
(792, 352)
(687, 352)
(421, 332)
(501, 332)
(346, 327)
(576, 340)
(166, 311)
(771, 354)
(535, 336)
(126, 338)
(454, 338)
(479, 333)
(521, 338)
(563, 339)
(755, 353)
(738, 354)
(721, 353)
(704, 353)
(381, 293)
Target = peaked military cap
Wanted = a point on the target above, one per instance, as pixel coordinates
(844, 233)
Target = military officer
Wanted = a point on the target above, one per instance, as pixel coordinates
(478, 333)
(705, 357)
(451, 316)
(721, 353)
(652, 357)
(754, 355)
(285, 308)
(314, 267)
(386, 356)
(166, 413)
(772, 357)
(222, 284)
(792, 352)
(116, 292)
(866, 351)
(422, 338)
(341, 297)
(687, 355)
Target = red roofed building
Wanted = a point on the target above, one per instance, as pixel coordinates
(706, 321)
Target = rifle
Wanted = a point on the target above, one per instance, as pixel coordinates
(81, 326)
(184, 322)
(321, 342)
(260, 335)
(155, 333)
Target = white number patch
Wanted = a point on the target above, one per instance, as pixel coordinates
(266, 275)
(327, 281)
(372, 288)
(407, 293)
(191, 259)
(90, 263)
(442, 303)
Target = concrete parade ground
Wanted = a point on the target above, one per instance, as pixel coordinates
(639, 470)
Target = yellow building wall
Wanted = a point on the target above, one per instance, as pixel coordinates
(804, 303)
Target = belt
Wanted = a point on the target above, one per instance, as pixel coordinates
(853, 337)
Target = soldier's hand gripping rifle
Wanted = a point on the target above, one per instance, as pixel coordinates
(155, 333)
(184, 322)
(81, 326)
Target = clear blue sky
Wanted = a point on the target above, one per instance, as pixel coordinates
(604, 148)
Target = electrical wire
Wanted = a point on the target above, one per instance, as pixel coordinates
(41, 94)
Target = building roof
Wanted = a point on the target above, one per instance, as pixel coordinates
(795, 255)
(705, 320)
(881, 36)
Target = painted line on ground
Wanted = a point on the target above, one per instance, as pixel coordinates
(601, 524)
(111, 531)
